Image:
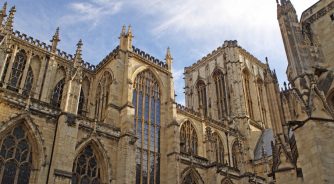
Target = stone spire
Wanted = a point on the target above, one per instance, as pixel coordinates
(123, 31)
(129, 34)
(3, 13)
(54, 41)
(78, 53)
(10, 20)
(169, 59)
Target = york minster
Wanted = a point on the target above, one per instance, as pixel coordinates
(67, 121)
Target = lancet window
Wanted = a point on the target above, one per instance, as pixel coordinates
(17, 70)
(102, 96)
(29, 82)
(218, 149)
(248, 96)
(15, 157)
(189, 141)
(58, 93)
(202, 100)
(220, 94)
(146, 100)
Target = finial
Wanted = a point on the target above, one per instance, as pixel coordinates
(3, 13)
(55, 40)
(169, 59)
(129, 31)
(168, 54)
(10, 19)
(267, 61)
(77, 57)
(123, 30)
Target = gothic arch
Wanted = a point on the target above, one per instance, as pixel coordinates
(190, 136)
(219, 148)
(192, 174)
(35, 139)
(155, 74)
(227, 181)
(101, 154)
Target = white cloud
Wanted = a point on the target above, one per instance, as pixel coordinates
(91, 12)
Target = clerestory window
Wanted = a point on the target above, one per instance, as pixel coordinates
(188, 139)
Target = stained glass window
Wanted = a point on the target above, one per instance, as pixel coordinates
(146, 100)
(17, 70)
(188, 139)
(218, 149)
(58, 93)
(220, 94)
(201, 91)
(15, 157)
(28, 83)
(86, 168)
(102, 96)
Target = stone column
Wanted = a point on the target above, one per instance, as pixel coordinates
(3, 59)
(64, 152)
(50, 74)
(10, 66)
(25, 72)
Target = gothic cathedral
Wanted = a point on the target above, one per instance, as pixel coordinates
(66, 121)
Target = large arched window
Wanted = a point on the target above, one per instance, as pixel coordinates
(188, 139)
(248, 95)
(235, 154)
(57, 93)
(15, 157)
(218, 149)
(146, 100)
(102, 96)
(202, 100)
(17, 70)
(29, 82)
(86, 169)
(220, 94)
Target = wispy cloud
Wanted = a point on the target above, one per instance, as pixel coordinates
(91, 12)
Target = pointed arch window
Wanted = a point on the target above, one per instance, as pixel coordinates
(102, 96)
(86, 168)
(202, 100)
(17, 70)
(29, 82)
(58, 93)
(218, 77)
(189, 141)
(146, 100)
(218, 149)
(15, 157)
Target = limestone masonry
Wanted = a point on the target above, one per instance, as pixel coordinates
(64, 121)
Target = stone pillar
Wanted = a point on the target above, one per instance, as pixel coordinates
(48, 82)
(126, 163)
(64, 150)
(25, 72)
(10, 66)
(3, 59)
(316, 147)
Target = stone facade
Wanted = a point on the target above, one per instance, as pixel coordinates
(63, 120)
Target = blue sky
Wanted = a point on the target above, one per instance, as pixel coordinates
(191, 28)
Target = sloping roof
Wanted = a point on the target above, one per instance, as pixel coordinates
(265, 142)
